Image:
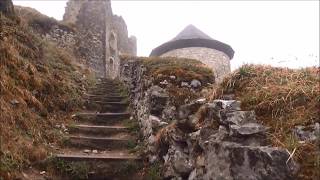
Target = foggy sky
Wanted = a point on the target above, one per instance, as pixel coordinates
(284, 33)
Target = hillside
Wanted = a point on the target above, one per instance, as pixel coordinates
(284, 100)
(40, 85)
(160, 118)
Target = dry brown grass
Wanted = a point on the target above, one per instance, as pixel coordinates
(40, 23)
(160, 68)
(282, 99)
(40, 85)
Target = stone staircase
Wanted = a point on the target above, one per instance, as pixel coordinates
(101, 138)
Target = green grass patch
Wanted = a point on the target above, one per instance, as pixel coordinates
(153, 172)
(73, 170)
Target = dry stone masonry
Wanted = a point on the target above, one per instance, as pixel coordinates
(225, 142)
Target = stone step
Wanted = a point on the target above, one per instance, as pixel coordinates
(109, 92)
(110, 86)
(91, 97)
(106, 93)
(108, 81)
(113, 109)
(102, 122)
(111, 103)
(87, 95)
(102, 116)
(107, 99)
(106, 87)
(100, 143)
(107, 108)
(105, 165)
(104, 80)
(96, 129)
(97, 157)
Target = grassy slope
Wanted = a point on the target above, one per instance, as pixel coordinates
(282, 99)
(40, 85)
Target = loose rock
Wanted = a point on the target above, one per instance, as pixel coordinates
(195, 83)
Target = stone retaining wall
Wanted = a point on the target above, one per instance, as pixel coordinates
(220, 142)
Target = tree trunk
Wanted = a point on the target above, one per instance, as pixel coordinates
(6, 7)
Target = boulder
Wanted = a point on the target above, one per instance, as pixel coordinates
(177, 163)
(188, 109)
(228, 160)
(158, 100)
(172, 77)
(184, 84)
(231, 105)
(164, 82)
(307, 133)
(169, 113)
(237, 117)
(156, 122)
(247, 129)
(195, 83)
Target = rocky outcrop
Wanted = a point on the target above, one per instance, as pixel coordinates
(229, 144)
(202, 140)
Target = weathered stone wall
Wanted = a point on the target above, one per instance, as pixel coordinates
(101, 36)
(217, 60)
(133, 75)
(72, 11)
(220, 142)
(64, 38)
(126, 45)
(91, 24)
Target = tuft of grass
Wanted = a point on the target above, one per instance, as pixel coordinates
(132, 125)
(153, 172)
(74, 170)
(128, 168)
(40, 23)
(131, 144)
(282, 99)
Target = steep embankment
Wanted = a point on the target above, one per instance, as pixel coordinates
(268, 124)
(39, 86)
(287, 101)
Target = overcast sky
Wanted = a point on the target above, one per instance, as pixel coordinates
(284, 33)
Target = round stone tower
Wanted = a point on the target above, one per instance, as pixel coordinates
(194, 44)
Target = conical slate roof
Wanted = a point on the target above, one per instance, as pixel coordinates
(191, 32)
(192, 37)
